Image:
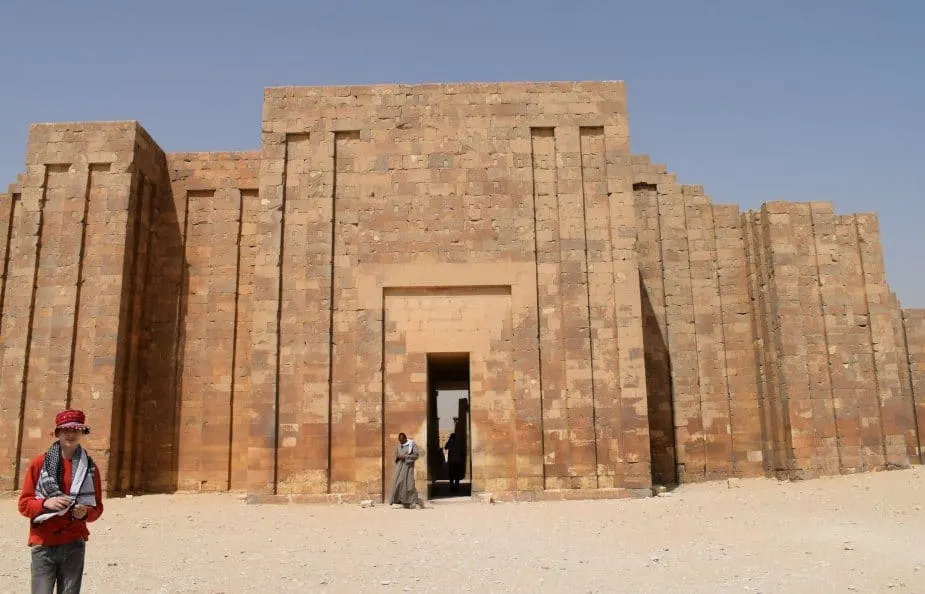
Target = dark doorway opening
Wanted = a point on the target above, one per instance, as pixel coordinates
(449, 460)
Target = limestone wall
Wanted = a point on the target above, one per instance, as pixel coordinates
(773, 344)
(699, 338)
(837, 402)
(261, 321)
(216, 196)
(375, 194)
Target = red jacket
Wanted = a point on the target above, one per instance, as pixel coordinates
(62, 529)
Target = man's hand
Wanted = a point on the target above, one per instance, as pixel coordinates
(56, 503)
(80, 511)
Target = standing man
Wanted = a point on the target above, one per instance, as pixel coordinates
(454, 459)
(403, 489)
(61, 492)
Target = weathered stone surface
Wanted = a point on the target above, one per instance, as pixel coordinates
(262, 321)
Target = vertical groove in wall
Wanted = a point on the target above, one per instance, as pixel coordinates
(234, 338)
(382, 467)
(825, 332)
(121, 375)
(25, 372)
(139, 286)
(780, 416)
(565, 401)
(582, 132)
(136, 202)
(8, 241)
(809, 460)
(151, 191)
(8, 398)
(564, 441)
(905, 363)
(279, 315)
(154, 425)
(904, 375)
(172, 232)
(539, 307)
(913, 437)
(775, 404)
(333, 235)
(756, 314)
(911, 364)
(180, 336)
(751, 294)
(726, 464)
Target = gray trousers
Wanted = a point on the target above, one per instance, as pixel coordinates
(59, 564)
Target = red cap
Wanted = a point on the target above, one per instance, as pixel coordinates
(70, 419)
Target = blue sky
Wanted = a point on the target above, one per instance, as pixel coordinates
(808, 100)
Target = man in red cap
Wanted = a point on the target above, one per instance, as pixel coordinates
(61, 492)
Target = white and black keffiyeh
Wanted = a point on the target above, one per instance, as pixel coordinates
(51, 478)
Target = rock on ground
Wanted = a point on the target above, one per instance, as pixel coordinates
(854, 533)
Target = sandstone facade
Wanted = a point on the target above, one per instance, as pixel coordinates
(268, 321)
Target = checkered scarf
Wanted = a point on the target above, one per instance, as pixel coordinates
(51, 479)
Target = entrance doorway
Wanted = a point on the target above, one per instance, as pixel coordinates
(449, 460)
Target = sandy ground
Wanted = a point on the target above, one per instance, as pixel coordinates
(863, 533)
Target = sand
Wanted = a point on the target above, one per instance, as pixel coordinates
(861, 533)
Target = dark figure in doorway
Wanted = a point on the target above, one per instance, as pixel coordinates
(437, 463)
(404, 491)
(454, 459)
